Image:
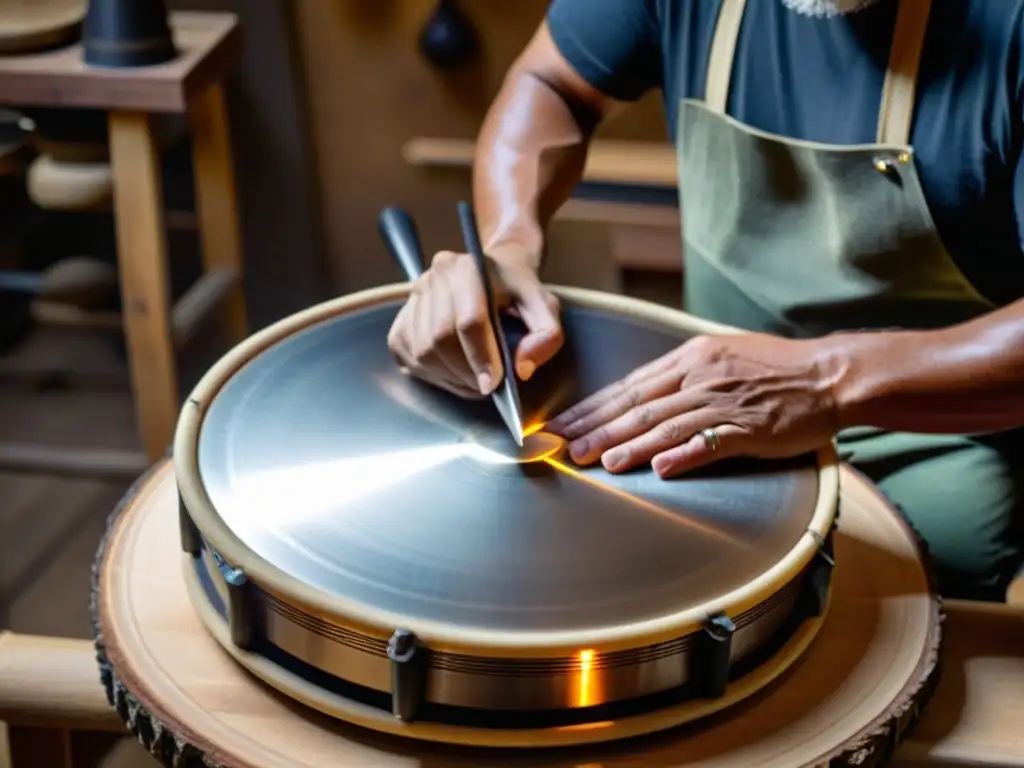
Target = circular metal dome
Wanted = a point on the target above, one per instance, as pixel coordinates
(328, 462)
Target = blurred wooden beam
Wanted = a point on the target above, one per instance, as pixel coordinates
(610, 162)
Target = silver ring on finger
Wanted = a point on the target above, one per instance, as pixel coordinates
(710, 439)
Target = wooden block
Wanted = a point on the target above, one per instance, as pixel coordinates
(30, 26)
(975, 715)
(54, 683)
(209, 44)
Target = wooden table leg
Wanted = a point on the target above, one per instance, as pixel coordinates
(38, 747)
(145, 289)
(217, 202)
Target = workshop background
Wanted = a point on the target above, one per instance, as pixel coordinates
(336, 108)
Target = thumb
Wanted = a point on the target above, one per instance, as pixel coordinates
(540, 313)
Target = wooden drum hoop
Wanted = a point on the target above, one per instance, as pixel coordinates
(778, 586)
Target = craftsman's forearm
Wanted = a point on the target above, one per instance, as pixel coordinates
(964, 379)
(530, 154)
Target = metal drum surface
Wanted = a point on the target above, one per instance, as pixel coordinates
(331, 500)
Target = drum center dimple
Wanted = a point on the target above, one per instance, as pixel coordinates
(499, 447)
(540, 446)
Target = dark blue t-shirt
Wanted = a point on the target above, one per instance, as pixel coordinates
(820, 79)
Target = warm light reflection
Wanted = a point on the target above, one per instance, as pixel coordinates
(328, 486)
(673, 515)
(584, 696)
(309, 491)
(586, 726)
(533, 429)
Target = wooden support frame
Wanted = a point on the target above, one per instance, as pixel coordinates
(217, 201)
(142, 263)
(51, 699)
(154, 329)
(51, 686)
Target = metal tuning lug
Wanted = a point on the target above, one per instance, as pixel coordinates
(241, 605)
(408, 674)
(818, 579)
(712, 655)
(191, 542)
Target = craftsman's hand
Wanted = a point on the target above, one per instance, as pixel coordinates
(443, 333)
(763, 396)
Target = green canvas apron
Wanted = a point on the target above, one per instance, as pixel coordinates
(801, 239)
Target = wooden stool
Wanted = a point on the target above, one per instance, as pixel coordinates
(191, 84)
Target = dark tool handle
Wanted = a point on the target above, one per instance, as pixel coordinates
(508, 331)
(513, 327)
(398, 231)
(471, 237)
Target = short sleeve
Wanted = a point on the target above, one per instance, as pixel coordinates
(613, 44)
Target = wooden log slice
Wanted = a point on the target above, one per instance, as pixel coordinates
(34, 25)
(848, 701)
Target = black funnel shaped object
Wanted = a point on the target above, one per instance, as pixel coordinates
(448, 40)
(127, 33)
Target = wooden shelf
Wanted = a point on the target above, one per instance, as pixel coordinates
(641, 236)
(608, 162)
(208, 43)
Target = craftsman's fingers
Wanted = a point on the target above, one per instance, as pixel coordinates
(470, 317)
(444, 333)
(633, 411)
(413, 342)
(448, 306)
(439, 344)
(664, 438)
(653, 380)
(540, 312)
(699, 451)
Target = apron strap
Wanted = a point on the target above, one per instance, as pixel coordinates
(723, 50)
(896, 112)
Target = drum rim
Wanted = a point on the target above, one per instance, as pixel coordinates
(442, 635)
(352, 712)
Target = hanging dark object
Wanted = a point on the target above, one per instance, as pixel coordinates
(448, 40)
(127, 33)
